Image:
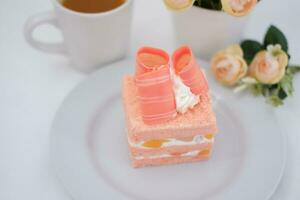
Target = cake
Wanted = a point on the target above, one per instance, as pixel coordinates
(168, 111)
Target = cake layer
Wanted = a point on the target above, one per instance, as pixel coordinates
(156, 147)
(200, 120)
(166, 159)
(167, 142)
(169, 150)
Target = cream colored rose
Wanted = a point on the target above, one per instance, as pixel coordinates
(228, 66)
(178, 5)
(238, 7)
(269, 66)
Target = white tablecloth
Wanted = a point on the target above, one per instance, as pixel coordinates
(33, 85)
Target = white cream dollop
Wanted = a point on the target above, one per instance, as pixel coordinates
(184, 98)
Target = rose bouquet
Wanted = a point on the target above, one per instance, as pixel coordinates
(232, 7)
(262, 68)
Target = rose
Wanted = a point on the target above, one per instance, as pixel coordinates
(228, 66)
(179, 5)
(269, 66)
(238, 7)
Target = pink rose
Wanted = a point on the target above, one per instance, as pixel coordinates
(269, 66)
(238, 7)
(228, 66)
(179, 5)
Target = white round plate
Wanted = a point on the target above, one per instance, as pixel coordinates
(90, 155)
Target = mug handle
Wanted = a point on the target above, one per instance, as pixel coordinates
(32, 23)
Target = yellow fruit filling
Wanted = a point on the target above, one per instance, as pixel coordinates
(155, 144)
(209, 136)
(204, 152)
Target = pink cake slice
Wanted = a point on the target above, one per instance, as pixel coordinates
(188, 137)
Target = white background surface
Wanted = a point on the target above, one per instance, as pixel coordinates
(33, 84)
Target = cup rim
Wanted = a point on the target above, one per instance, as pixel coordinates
(58, 4)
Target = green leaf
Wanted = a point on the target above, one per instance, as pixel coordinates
(259, 89)
(266, 91)
(274, 94)
(282, 94)
(293, 69)
(217, 4)
(274, 101)
(256, 89)
(250, 49)
(286, 84)
(275, 36)
(209, 4)
(197, 3)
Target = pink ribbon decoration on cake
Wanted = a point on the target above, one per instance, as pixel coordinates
(154, 85)
(186, 66)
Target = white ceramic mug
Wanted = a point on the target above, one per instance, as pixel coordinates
(89, 39)
(208, 31)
